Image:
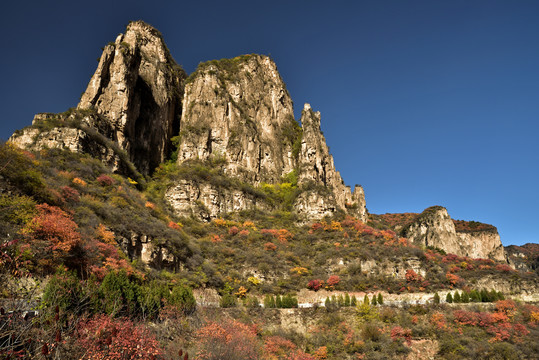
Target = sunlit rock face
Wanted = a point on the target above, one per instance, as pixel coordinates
(434, 227)
(137, 88)
(240, 111)
(316, 172)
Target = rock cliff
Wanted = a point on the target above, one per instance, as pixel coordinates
(236, 113)
(434, 227)
(133, 99)
(137, 88)
(325, 191)
(239, 110)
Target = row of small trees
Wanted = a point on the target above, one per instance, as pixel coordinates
(278, 302)
(347, 300)
(471, 296)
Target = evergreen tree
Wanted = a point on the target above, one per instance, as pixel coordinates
(353, 301)
(456, 297)
(278, 301)
(366, 300)
(501, 296)
(327, 303)
(436, 299)
(380, 299)
(373, 301)
(474, 296)
(484, 295)
(493, 295)
(449, 298)
(340, 300)
(346, 299)
(465, 297)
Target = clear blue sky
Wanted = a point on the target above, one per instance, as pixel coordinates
(423, 102)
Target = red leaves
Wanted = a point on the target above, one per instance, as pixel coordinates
(282, 235)
(105, 180)
(398, 332)
(315, 284)
(102, 339)
(55, 227)
(412, 276)
(333, 281)
(453, 279)
(229, 339)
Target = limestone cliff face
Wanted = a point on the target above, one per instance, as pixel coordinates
(481, 243)
(207, 201)
(316, 170)
(239, 109)
(71, 131)
(133, 99)
(137, 89)
(434, 227)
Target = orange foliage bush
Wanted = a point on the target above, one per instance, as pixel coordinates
(228, 339)
(55, 228)
(105, 338)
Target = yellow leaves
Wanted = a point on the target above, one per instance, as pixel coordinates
(299, 270)
(105, 235)
(242, 291)
(79, 182)
(149, 205)
(253, 280)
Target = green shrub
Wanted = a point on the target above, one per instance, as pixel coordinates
(228, 301)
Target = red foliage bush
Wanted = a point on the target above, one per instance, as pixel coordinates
(173, 225)
(412, 276)
(54, 229)
(70, 194)
(105, 180)
(228, 339)
(269, 246)
(233, 230)
(333, 281)
(398, 332)
(106, 338)
(315, 284)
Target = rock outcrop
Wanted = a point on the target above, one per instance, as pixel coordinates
(325, 189)
(207, 201)
(239, 110)
(434, 227)
(133, 100)
(137, 88)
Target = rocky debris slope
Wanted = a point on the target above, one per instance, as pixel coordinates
(434, 227)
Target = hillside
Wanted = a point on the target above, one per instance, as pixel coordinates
(172, 212)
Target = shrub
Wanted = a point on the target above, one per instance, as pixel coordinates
(315, 284)
(105, 180)
(228, 301)
(228, 339)
(119, 295)
(106, 338)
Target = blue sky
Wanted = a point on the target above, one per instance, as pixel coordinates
(423, 102)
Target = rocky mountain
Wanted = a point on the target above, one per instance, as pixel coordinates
(435, 228)
(133, 99)
(230, 129)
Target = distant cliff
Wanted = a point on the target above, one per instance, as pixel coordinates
(434, 227)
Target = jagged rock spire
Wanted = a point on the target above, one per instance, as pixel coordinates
(137, 88)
